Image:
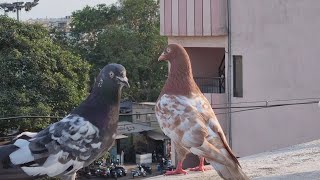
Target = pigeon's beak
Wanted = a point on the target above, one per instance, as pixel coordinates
(124, 81)
(162, 57)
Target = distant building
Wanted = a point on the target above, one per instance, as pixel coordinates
(139, 133)
(60, 24)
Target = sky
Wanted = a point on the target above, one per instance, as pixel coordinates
(54, 8)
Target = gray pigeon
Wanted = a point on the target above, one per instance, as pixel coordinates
(77, 140)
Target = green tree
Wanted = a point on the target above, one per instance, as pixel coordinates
(38, 77)
(125, 33)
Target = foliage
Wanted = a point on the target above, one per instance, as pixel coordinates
(37, 75)
(125, 33)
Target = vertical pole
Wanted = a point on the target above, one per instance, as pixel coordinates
(229, 91)
(17, 13)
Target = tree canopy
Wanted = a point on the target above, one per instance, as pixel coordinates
(37, 75)
(125, 33)
(47, 73)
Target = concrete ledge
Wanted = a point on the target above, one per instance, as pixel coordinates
(296, 162)
(207, 175)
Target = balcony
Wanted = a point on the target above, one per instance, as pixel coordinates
(210, 84)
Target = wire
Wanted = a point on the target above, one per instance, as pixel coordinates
(30, 117)
(244, 108)
(268, 101)
(268, 105)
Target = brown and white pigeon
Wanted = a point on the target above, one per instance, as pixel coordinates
(76, 141)
(186, 116)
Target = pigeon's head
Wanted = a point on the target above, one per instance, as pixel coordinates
(112, 76)
(171, 52)
(176, 55)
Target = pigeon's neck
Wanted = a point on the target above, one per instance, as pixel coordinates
(105, 96)
(180, 80)
(101, 108)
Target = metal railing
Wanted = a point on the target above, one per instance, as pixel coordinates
(210, 84)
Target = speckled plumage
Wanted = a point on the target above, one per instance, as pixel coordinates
(186, 116)
(75, 141)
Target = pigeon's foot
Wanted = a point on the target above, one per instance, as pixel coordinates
(200, 168)
(177, 171)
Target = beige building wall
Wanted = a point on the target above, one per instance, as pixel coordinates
(205, 61)
(146, 109)
(280, 44)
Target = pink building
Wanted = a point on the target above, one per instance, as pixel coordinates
(271, 52)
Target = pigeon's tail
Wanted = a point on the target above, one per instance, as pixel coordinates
(7, 169)
(229, 173)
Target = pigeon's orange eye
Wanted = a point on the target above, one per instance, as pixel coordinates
(111, 74)
(168, 50)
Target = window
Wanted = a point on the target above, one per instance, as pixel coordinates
(137, 115)
(237, 76)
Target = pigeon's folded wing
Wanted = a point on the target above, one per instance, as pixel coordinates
(62, 147)
(191, 122)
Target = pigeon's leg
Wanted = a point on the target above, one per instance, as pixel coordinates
(201, 166)
(181, 155)
(178, 170)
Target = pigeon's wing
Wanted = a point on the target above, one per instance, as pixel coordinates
(191, 122)
(62, 148)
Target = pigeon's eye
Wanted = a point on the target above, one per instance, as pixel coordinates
(168, 50)
(111, 74)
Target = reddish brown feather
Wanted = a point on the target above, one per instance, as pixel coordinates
(180, 80)
(228, 148)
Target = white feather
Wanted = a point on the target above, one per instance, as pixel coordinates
(76, 136)
(23, 154)
(21, 143)
(96, 145)
(52, 167)
(29, 134)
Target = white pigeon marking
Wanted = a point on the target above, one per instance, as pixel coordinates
(52, 167)
(212, 134)
(96, 145)
(21, 143)
(114, 136)
(85, 132)
(23, 154)
(29, 134)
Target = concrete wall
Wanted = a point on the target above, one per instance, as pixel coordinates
(279, 41)
(193, 17)
(205, 61)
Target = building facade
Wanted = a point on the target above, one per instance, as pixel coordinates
(60, 24)
(253, 53)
